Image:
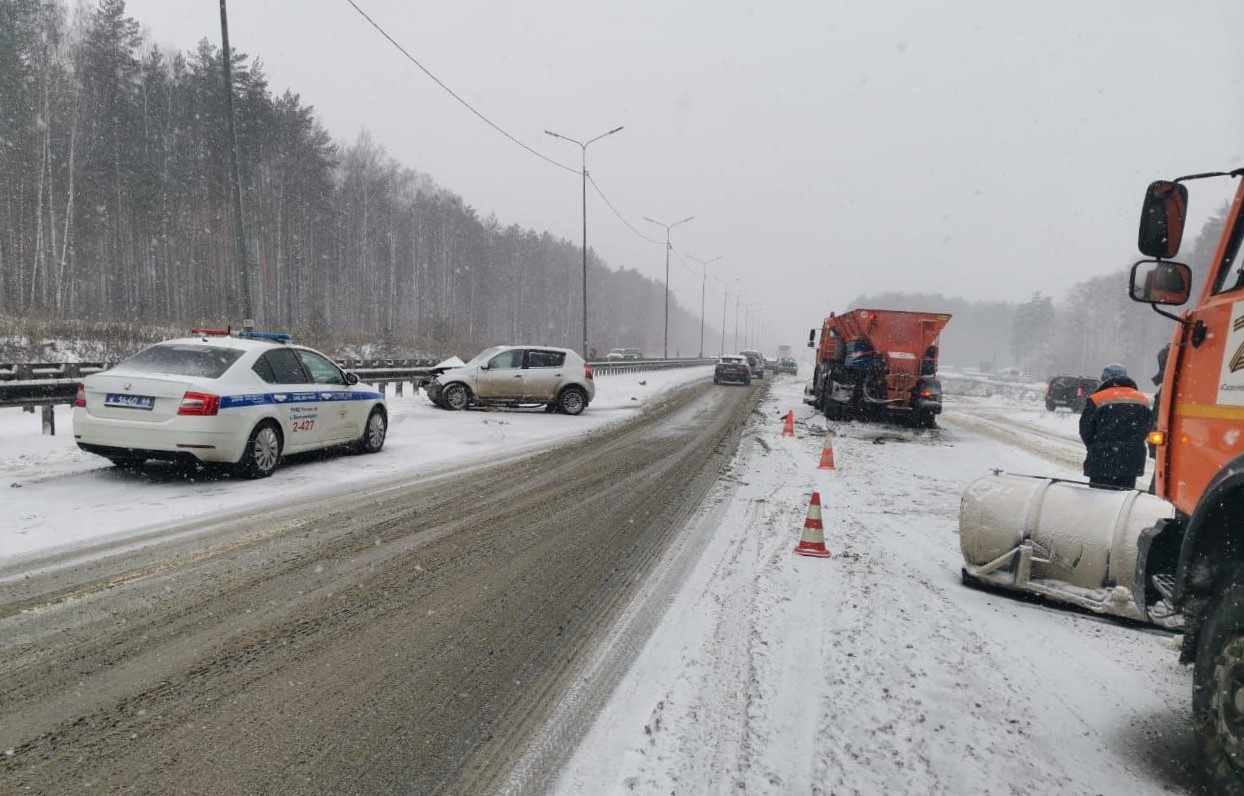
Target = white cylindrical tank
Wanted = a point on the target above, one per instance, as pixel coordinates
(1081, 536)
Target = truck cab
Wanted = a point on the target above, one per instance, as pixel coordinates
(1199, 445)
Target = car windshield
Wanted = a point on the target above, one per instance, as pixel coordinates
(485, 355)
(181, 359)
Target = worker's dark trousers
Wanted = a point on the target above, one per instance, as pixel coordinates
(1106, 482)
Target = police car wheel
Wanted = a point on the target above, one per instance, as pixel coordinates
(262, 453)
(456, 397)
(373, 433)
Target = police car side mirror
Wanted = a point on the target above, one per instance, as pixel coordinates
(484, 366)
(352, 379)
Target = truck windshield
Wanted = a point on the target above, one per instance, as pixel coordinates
(1231, 276)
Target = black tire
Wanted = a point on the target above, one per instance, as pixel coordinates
(1216, 714)
(572, 401)
(262, 454)
(716, 380)
(1049, 406)
(374, 432)
(127, 462)
(456, 397)
(924, 419)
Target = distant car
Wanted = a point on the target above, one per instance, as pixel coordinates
(632, 353)
(757, 363)
(787, 365)
(616, 354)
(732, 368)
(517, 375)
(1070, 391)
(243, 399)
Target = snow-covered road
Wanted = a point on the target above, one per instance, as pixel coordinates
(58, 497)
(876, 671)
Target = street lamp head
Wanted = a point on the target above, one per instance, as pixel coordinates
(617, 129)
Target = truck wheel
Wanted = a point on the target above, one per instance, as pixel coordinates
(1218, 691)
(924, 419)
(1049, 406)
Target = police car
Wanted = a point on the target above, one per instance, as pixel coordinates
(243, 399)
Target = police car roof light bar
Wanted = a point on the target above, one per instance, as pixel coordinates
(277, 337)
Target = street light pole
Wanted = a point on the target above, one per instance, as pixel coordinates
(668, 227)
(703, 286)
(725, 294)
(239, 231)
(583, 147)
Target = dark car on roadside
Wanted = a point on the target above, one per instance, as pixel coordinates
(732, 368)
(757, 363)
(1069, 391)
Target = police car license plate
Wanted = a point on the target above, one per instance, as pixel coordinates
(122, 401)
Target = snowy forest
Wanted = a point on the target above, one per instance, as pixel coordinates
(115, 178)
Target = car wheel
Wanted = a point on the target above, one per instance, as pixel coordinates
(455, 397)
(262, 453)
(572, 401)
(127, 462)
(374, 432)
(1049, 406)
(1218, 690)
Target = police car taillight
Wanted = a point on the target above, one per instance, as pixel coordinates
(199, 403)
(80, 398)
(587, 372)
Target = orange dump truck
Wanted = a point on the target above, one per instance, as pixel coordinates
(878, 364)
(1199, 442)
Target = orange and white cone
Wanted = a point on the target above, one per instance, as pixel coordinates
(812, 543)
(827, 453)
(788, 428)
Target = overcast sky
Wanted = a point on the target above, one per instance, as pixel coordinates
(828, 148)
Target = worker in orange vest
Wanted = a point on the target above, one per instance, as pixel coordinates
(1114, 425)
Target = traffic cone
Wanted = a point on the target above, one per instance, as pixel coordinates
(827, 453)
(788, 428)
(812, 543)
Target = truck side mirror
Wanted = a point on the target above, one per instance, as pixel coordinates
(1162, 219)
(1161, 282)
(811, 338)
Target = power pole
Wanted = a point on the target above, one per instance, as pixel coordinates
(239, 231)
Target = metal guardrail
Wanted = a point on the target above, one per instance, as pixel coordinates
(47, 384)
(605, 367)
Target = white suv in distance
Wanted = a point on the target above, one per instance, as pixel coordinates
(518, 375)
(242, 399)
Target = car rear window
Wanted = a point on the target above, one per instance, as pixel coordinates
(182, 359)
